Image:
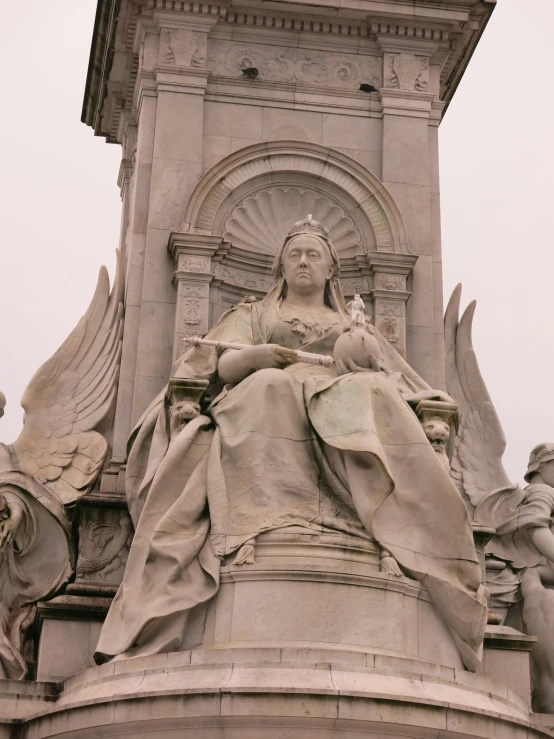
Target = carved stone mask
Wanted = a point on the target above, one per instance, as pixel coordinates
(437, 431)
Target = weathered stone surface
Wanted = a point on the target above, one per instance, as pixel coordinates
(264, 692)
(301, 535)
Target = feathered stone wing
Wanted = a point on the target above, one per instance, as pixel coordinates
(476, 467)
(71, 394)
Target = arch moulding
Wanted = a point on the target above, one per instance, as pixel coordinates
(361, 188)
(212, 273)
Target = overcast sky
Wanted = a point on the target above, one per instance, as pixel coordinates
(60, 206)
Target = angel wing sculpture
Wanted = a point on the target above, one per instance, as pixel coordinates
(524, 542)
(56, 458)
(70, 395)
(476, 466)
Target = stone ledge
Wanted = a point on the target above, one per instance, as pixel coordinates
(302, 690)
(74, 606)
(504, 637)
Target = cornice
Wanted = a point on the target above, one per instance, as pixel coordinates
(449, 29)
(99, 59)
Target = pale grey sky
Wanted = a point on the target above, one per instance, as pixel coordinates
(60, 207)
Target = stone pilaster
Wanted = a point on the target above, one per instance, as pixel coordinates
(145, 105)
(410, 88)
(192, 256)
(390, 294)
(178, 69)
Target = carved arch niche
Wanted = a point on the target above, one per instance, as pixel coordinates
(242, 208)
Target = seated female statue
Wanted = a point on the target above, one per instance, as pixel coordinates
(280, 443)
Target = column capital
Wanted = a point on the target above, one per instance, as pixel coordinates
(390, 294)
(192, 255)
(391, 263)
(406, 103)
(202, 246)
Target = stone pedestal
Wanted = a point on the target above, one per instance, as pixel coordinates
(506, 659)
(233, 124)
(249, 693)
(310, 641)
(321, 589)
(68, 629)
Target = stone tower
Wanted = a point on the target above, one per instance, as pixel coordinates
(236, 121)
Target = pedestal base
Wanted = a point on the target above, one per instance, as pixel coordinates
(268, 694)
(315, 589)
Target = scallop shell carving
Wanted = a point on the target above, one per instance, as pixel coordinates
(261, 222)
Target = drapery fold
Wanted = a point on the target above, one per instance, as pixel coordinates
(299, 446)
(35, 566)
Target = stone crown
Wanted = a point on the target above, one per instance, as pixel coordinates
(309, 225)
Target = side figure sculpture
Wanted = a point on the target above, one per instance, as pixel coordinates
(520, 563)
(278, 443)
(55, 460)
(520, 554)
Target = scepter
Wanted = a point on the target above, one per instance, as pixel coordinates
(306, 357)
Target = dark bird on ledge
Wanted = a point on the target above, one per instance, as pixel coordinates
(365, 87)
(250, 72)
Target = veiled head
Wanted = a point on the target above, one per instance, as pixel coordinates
(303, 234)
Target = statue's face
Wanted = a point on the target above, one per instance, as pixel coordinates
(306, 265)
(546, 471)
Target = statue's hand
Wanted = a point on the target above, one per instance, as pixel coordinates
(235, 365)
(267, 356)
(357, 350)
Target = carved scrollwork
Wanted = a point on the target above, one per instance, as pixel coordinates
(194, 264)
(300, 66)
(406, 72)
(183, 48)
(356, 285)
(191, 309)
(237, 277)
(390, 328)
(390, 282)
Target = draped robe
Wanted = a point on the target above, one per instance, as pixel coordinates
(299, 446)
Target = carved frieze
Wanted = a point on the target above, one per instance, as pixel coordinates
(390, 282)
(261, 221)
(240, 278)
(406, 72)
(193, 263)
(105, 535)
(191, 310)
(355, 286)
(183, 48)
(300, 66)
(389, 308)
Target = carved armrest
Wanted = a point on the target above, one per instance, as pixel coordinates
(184, 396)
(439, 420)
